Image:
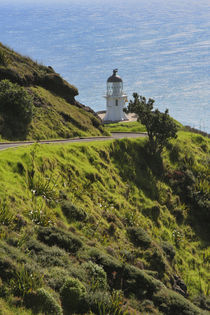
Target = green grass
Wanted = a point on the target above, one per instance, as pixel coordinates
(133, 126)
(117, 188)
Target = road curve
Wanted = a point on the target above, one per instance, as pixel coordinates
(114, 135)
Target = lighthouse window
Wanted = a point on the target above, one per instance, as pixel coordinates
(116, 102)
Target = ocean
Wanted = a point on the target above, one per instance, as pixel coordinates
(160, 47)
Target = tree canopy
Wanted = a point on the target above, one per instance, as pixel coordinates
(160, 126)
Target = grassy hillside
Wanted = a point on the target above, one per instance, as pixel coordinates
(102, 228)
(56, 113)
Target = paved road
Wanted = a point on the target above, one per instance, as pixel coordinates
(115, 135)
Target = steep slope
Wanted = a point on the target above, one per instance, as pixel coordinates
(103, 227)
(56, 113)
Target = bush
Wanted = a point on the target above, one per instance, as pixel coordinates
(138, 282)
(72, 212)
(7, 268)
(101, 302)
(25, 281)
(6, 216)
(169, 250)
(56, 277)
(112, 267)
(4, 59)
(157, 261)
(153, 212)
(97, 275)
(54, 236)
(47, 256)
(16, 107)
(139, 237)
(72, 296)
(43, 301)
(170, 302)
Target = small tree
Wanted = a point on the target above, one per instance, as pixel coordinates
(16, 108)
(160, 126)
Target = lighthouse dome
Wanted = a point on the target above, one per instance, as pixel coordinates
(114, 77)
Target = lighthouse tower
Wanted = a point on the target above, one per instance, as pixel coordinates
(115, 99)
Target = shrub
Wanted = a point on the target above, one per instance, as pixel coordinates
(72, 296)
(153, 212)
(56, 277)
(139, 237)
(72, 212)
(7, 268)
(138, 282)
(41, 216)
(25, 281)
(16, 107)
(157, 261)
(43, 301)
(6, 217)
(104, 303)
(54, 236)
(169, 250)
(97, 275)
(170, 302)
(4, 59)
(112, 266)
(47, 256)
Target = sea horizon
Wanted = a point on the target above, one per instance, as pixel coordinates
(161, 48)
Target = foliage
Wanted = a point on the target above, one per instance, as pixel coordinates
(97, 275)
(4, 60)
(6, 216)
(42, 301)
(72, 296)
(138, 282)
(25, 282)
(16, 109)
(170, 302)
(54, 236)
(8, 268)
(160, 126)
(73, 212)
(169, 250)
(139, 237)
(114, 305)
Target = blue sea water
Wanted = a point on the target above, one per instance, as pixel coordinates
(161, 48)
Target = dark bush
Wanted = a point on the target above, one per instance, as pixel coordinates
(139, 237)
(138, 282)
(16, 107)
(72, 212)
(169, 250)
(111, 265)
(72, 296)
(56, 277)
(7, 268)
(97, 274)
(47, 256)
(157, 261)
(42, 301)
(153, 212)
(170, 302)
(178, 213)
(54, 236)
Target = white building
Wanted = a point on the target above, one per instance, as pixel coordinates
(115, 99)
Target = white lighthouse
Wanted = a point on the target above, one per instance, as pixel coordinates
(115, 99)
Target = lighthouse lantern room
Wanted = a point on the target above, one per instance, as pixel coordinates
(115, 99)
